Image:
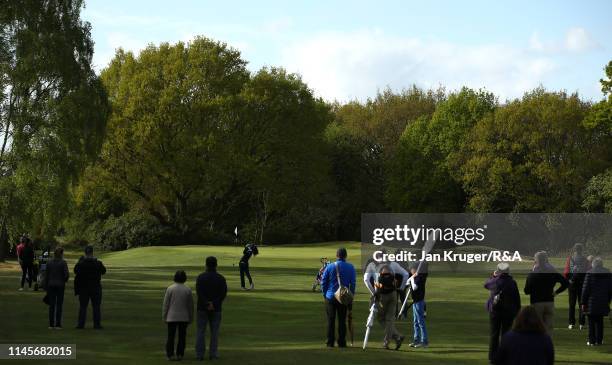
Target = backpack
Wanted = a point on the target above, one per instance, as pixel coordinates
(343, 295)
(387, 283)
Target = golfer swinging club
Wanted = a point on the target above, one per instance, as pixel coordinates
(249, 250)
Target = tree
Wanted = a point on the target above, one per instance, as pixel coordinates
(202, 145)
(531, 155)
(422, 174)
(52, 112)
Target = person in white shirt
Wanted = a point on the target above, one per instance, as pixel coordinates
(383, 280)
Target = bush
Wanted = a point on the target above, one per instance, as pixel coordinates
(132, 229)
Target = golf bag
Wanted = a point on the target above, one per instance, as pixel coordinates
(319, 276)
(40, 270)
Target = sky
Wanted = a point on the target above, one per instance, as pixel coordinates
(347, 50)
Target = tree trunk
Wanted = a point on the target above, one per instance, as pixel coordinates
(4, 241)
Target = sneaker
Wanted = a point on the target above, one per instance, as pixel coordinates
(421, 345)
(170, 358)
(570, 327)
(414, 344)
(398, 342)
(243, 288)
(20, 289)
(251, 287)
(59, 328)
(213, 357)
(51, 328)
(581, 327)
(590, 344)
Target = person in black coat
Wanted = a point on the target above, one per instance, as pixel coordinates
(249, 250)
(27, 264)
(503, 305)
(596, 297)
(211, 288)
(55, 283)
(527, 343)
(87, 285)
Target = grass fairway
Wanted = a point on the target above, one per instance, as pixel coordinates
(280, 322)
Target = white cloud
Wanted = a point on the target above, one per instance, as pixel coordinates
(344, 66)
(578, 39)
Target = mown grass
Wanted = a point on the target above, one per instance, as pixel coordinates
(280, 322)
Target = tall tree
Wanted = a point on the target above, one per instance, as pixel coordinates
(52, 112)
(531, 155)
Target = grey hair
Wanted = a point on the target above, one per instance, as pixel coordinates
(541, 257)
(597, 262)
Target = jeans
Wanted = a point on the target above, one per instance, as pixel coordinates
(182, 334)
(204, 319)
(575, 294)
(95, 295)
(499, 324)
(27, 270)
(244, 270)
(596, 329)
(418, 319)
(334, 309)
(56, 303)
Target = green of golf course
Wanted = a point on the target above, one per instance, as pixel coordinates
(280, 322)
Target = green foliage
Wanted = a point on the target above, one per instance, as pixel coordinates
(422, 174)
(606, 84)
(598, 193)
(532, 155)
(198, 142)
(132, 229)
(53, 112)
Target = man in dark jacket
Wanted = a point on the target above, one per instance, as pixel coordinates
(596, 297)
(576, 267)
(55, 283)
(27, 263)
(503, 305)
(87, 285)
(211, 288)
(540, 286)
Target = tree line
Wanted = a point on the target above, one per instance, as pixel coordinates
(182, 143)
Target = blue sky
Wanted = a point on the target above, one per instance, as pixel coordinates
(350, 49)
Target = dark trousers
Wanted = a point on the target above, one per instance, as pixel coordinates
(204, 319)
(56, 304)
(596, 329)
(27, 273)
(499, 324)
(575, 296)
(244, 270)
(335, 309)
(182, 334)
(95, 295)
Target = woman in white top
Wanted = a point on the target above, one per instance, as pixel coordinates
(177, 312)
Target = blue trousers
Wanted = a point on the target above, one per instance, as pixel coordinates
(418, 320)
(204, 319)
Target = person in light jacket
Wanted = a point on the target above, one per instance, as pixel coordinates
(177, 312)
